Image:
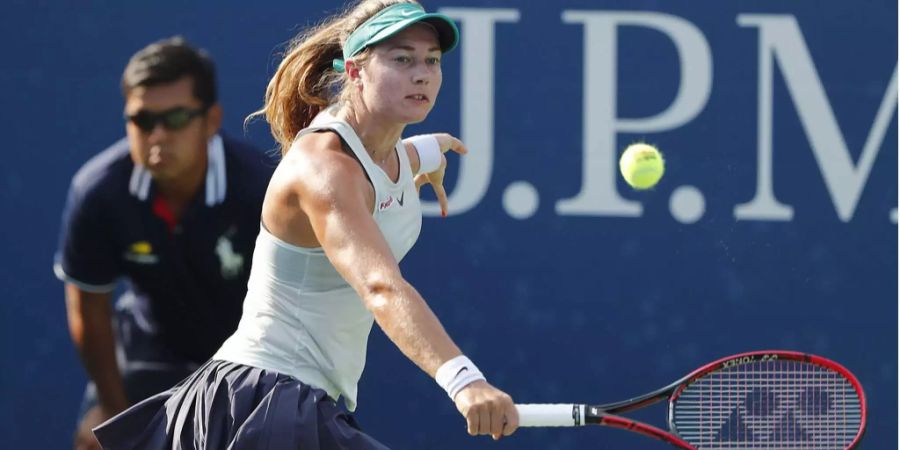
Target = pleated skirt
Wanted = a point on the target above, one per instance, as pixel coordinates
(231, 406)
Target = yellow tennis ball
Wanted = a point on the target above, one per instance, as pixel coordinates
(642, 165)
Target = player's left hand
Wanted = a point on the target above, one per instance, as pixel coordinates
(436, 178)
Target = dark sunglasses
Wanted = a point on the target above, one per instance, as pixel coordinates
(172, 119)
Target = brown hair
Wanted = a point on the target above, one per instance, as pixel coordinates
(305, 82)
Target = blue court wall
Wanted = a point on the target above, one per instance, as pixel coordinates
(775, 225)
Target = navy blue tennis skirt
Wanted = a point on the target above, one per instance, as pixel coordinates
(224, 405)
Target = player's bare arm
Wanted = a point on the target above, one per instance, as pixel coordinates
(338, 205)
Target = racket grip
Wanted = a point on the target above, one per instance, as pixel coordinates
(550, 415)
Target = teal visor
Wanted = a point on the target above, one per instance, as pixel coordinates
(390, 21)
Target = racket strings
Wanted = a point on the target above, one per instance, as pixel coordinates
(772, 404)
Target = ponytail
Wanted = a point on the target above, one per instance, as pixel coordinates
(305, 82)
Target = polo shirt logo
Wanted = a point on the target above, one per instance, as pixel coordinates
(141, 252)
(231, 263)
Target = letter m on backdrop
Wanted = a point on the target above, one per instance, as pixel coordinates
(780, 40)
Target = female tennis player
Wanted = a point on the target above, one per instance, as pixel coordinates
(341, 210)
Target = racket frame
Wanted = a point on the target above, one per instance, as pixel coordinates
(608, 414)
(761, 356)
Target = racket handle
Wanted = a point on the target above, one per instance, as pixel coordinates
(550, 415)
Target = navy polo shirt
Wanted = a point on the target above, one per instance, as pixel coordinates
(188, 280)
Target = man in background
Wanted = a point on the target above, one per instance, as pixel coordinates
(173, 209)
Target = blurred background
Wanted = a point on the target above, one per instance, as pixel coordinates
(775, 225)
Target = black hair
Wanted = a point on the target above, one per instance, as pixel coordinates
(168, 60)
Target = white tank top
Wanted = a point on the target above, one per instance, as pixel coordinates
(300, 317)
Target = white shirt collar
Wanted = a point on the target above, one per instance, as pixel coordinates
(139, 184)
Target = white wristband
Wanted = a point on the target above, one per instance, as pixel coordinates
(456, 374)
(429, 151)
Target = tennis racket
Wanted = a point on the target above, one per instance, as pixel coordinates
(757, 400)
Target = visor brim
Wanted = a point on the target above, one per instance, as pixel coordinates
(448, 33)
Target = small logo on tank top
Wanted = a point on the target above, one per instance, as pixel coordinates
(390, 201)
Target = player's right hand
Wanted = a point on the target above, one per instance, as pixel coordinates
(487, 410)
(84, 436)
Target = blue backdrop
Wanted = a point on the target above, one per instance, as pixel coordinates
(774, 227)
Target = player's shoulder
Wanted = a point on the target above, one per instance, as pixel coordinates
(323, 154)
(108, 170)
(318, 166)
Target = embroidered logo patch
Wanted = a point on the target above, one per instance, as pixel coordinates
(231, 263)
(141, 252)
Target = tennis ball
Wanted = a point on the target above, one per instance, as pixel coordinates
(642, 165)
